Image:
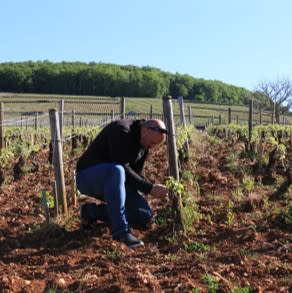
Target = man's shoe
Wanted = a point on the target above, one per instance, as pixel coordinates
(130, 240)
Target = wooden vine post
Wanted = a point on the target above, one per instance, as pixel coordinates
(62, 105)
(46, 206)
(183, 122)
(74, 188)
(112, 115)
(73, 120)
(36, 121)
(289, 169)
(182, 110)
(122, 107)
(273, 113)
(190, 114)
(250, 123)
(58, 159)
(173, 163)
(1, 126)
(56, 207)
(229, 116)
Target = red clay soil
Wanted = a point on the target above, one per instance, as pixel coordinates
(248, 254)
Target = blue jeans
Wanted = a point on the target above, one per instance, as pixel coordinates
(123, 204)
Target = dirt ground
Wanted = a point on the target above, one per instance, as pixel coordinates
(247, 253)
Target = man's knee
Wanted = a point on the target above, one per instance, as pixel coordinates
(118, 172)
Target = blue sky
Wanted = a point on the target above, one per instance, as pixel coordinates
(239, 42)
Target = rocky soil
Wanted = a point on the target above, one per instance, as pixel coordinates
(236, 244)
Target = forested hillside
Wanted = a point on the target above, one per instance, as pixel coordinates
(77, 78)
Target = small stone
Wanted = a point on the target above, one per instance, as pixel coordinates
(61, 282)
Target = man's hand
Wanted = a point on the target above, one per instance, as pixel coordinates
(159, 190)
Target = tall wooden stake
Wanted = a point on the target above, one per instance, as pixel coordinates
(171, 141)
(123, 107)
(1, 126)
(58, 159)
(250, 122)
(173, 164)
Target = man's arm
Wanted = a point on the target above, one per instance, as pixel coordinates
(137, 181)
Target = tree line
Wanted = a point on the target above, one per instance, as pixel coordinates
(101, 79)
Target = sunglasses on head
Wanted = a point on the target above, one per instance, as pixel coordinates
(158, 129)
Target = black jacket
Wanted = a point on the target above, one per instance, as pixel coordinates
(119, 142)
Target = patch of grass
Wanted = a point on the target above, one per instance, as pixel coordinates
(53, 289)
(173, 238)
(248, 184)
(211, 283)
(195, 246)
(246, 253)
(46, 230)
(34, 228)
(230, 215)
(67, 222)
(171, 256)
(242, 290)
(284, 219)
(191, 215)
(163, 216)
(237, 194)
(232, 162)
(188, 177)
(214, 140)
(114, 255)
(286, 281)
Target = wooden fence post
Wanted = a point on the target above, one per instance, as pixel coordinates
(273, 113)
(58, 159)
(61, 117)
(122, 107)
(46, 206)
(74, 188)
(182, 110)
(151, 112)
(36, 121)
(55, 192)
(229, 115)
(112, 115)
(190, 114)
(250, 122)
(73, 120)
(1, 126)
(183, 122)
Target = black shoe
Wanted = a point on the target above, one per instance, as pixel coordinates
(130, 240)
